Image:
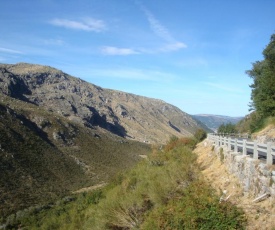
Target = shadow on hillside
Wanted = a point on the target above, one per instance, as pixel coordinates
(101, 121)
(27, 123)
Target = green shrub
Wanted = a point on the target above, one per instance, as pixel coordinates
(200, 135)
(197, 208)
(68, 213)
(168, 194)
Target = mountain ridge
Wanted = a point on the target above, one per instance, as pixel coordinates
(59, 133)
(125, 114)
(214, 121)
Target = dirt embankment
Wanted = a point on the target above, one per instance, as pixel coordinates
(259, 215)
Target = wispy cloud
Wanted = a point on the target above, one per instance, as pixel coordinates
(111, 50)
(156, 26)
(134, 74)
(223, 87)
(161, 31)
(86, 24)
(173, 47)
(11, 51)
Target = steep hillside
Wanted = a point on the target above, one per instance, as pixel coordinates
(127, 115)
(44, 155)
(214, 121)
(59, 134)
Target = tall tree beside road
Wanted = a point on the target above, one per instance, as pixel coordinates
(263, 87)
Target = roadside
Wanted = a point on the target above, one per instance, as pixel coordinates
(259, 215)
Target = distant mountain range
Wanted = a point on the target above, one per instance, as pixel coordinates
(214, 121)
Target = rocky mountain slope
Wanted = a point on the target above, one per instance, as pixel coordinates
(214, 121)
(44, 155)
(127, 115)
(59, 134)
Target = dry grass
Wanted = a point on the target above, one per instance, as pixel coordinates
(259, 215)
(268, 131)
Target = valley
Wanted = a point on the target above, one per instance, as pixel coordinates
(59, 134)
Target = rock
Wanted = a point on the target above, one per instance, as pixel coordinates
(57, 136)
(264, 170)
(87, 103)
(255, 177)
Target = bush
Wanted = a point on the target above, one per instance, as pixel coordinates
(198, 208)
(177, 142)
(165, 192)
(200, 135)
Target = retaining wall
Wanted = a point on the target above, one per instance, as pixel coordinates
(256, 177)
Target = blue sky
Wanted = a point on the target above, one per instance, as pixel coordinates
(192, 54)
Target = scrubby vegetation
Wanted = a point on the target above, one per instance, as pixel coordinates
(44, 156)
(200, 135)
(164, 191)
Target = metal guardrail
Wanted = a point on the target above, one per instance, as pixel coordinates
(246, 147)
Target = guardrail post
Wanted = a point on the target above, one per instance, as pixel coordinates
(269, 158)
(235, 145)
(255, 151)
(244, 147)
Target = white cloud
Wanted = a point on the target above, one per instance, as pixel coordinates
(86, 24)
(110, 50)
(5, 50)
(173, 47)
(157, 27)
(162, 32)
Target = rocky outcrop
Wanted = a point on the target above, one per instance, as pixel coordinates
(127, 115)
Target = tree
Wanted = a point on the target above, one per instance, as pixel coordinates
(227, 128)
(200, 135)
(263, 87)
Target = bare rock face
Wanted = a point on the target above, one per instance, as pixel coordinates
(127, 115)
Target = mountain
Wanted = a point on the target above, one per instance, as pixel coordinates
(59, 133)
(127, 115)
(44, 155)
(214, 121)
